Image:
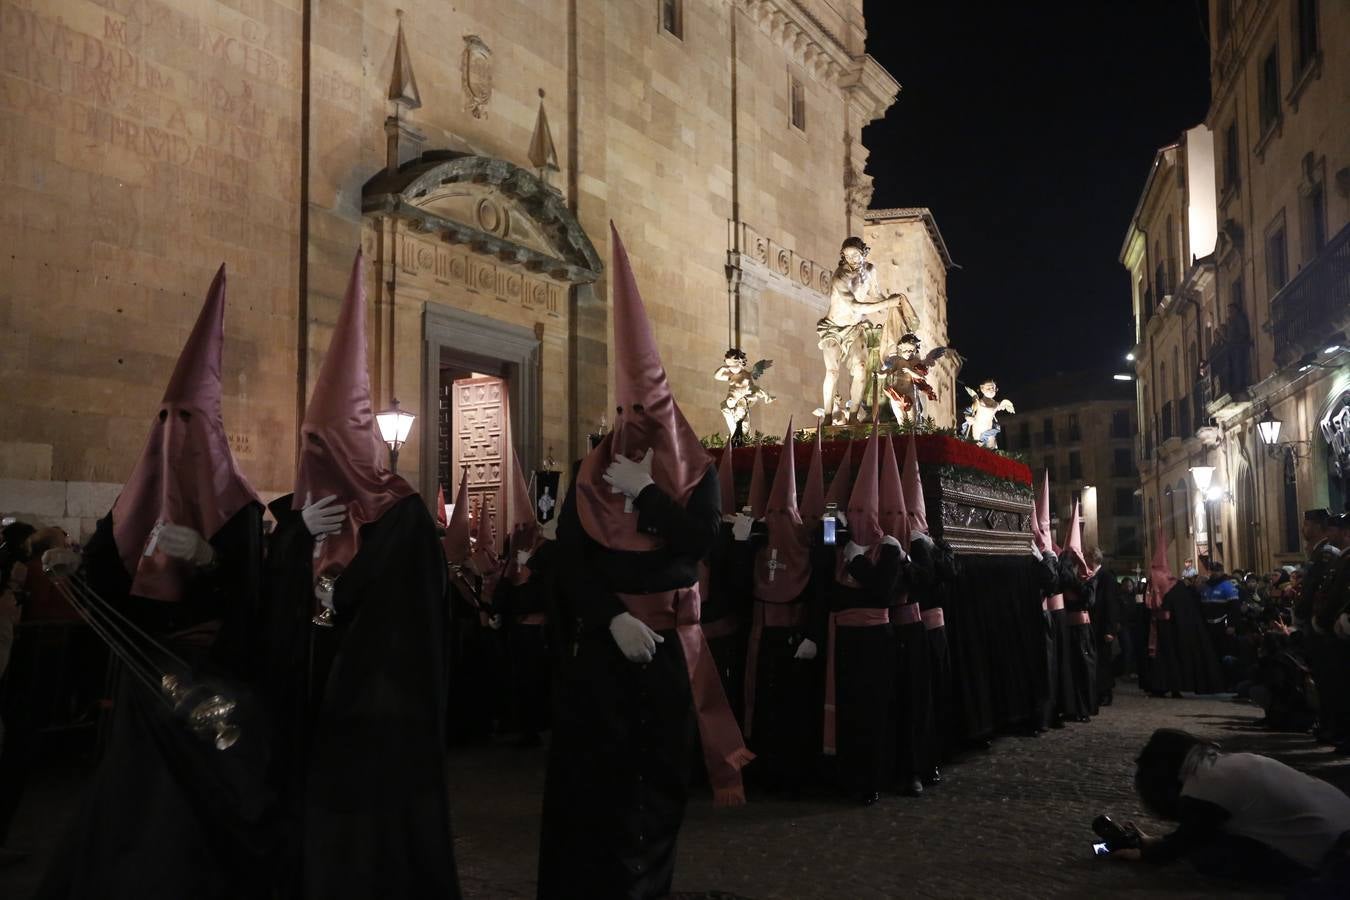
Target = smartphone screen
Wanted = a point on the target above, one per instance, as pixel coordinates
(828, 523)
(1099, 849)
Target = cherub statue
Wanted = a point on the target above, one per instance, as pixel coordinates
(906, 375)
(743, 390)
(981, 425)
(856, 297)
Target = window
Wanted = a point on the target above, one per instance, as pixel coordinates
(1237, 295)
(1127, 541)
(1305, 35)
(797, 98)
(1277, 255)
(1120, 423)
(1024, 435)
(1124, 501)
(1049, 464)
(672, 17)
(1048, 432)
(1075, 433)
(1122, 462)
(1292, 517)
(1230, 157)
(1270, 90)
(1313, 205)
(1075, 464)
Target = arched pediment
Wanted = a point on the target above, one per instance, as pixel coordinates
(491, 206)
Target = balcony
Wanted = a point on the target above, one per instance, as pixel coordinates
(1184, 417)
(1315, 303)
(1230, 372)
(1071, 435)
(1201, 397)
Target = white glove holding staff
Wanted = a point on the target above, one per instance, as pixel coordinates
(636, 641)
(182, 542)
(852, 550)
(806, 649)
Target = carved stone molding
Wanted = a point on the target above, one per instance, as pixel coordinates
(475, 69)
(419, 256)
(766, 264)
(804, 39)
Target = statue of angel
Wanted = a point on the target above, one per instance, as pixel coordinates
(906, 377)
(743, 390)
(981, 424)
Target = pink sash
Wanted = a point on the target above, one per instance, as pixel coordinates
(532, 619)
(1079, 617)
(932, 618)
(1055, 603)
(908, 614)
(861, 617)
(774, 615)
(724, 750)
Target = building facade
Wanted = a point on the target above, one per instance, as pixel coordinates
(912, 258)
(1083, 433)
(476, 152)
(1267, 309)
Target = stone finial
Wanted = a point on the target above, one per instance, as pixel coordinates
(403, 83)
(543, 155)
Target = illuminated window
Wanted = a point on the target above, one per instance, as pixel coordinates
(797, 98)
(672, 17)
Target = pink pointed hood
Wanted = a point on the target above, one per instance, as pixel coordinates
(523, 534)
(341, 452)
(457, 544)
(726, 482)
(648, 418)
(894, 517)
(863, 503)
(441, 520)
(842, 482)
(759, 484)
(1040, 525)
(186, 474)
(782, 565)
(813, 492)
(914, 502)
(1160, 577)
(1073, 545)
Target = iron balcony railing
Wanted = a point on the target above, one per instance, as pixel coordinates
(1314, 303)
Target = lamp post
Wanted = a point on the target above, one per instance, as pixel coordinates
(395, 424)
(1269, 428)
(1203, 476)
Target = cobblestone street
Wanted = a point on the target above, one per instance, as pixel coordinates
(1009, 822)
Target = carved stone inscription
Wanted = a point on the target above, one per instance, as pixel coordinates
(480, 275)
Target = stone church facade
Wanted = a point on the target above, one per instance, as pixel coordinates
(476, 152)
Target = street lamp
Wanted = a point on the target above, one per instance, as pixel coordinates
(1269, 429)
(394, 425)
(1203, 476)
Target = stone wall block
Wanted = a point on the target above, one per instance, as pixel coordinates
(22, 460)
(90, 499)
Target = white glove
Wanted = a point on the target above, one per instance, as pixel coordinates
(920, 537)
(851, 550)
(630, 478)
(636, 641)
(60, 562)
(181, 542)
(741, 525)
(1036, 552)
(1342, 627)
(894, 542)
(523, 557)
(842, 517)
(495, 623)
(806, 649)
(323, 517)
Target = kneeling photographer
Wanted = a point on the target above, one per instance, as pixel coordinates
(1239, 815)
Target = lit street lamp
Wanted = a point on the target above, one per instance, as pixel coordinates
(395, 424)
(1269, 428)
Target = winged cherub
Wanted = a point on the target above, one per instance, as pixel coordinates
(906, 374)
(981, 423)
(743, 390)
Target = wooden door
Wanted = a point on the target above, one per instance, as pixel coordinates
(479, 442)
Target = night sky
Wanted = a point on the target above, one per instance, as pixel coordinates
(1028, 129)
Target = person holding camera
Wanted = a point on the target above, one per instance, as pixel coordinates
(1239, 815)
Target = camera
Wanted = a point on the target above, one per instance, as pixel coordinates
(1113, 837)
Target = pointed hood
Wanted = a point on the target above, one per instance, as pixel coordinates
(842, 482)
(341, 452)
(759, 484)
(1160, 577)
(782, 565)
(1073, 544)
(813, 491)
(863, 503)
(647, 419)
(914, 502)
(726, 482)
(186, 474)
(441, 520)
(891, 496)
(1040, 526)
(523, 533)
(457, 544)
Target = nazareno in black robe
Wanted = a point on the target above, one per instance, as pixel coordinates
(913, 702)
(938, 596)
(1197, 662)
(618, 764)
(1106, 620)
(864, 673)
(785, 736)
(1078, 651)
(528, 644)
(1046, 671)
(726, 612)
(167, 815)
(372, 797)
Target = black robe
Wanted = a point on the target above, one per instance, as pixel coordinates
(864, 671)
(1198, 668)
(785, 734)
(726, 611)
(1046, 675)
(913, 715)
(939, 657)
(374, 797)
(1078, 647)
(471, 704)
(528, 645)
(1106, 621)
(618, 768)
(167, 815)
